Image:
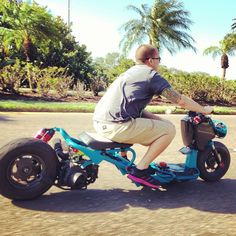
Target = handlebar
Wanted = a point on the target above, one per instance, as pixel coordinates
(219, 127)
(197, 117)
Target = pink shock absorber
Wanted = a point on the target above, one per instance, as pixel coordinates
(40, 133)
(45, 134)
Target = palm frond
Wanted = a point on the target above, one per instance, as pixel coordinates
(214, 51)
(233, 26)
(166, 24)
(142, 12)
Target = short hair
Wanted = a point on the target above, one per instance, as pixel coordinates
(144, 52)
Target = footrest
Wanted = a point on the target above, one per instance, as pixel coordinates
(142, 182)
(187, 174)
(185, 150)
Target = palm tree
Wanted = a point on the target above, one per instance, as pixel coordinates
(226, 48)
(164, 25)
(22, 25)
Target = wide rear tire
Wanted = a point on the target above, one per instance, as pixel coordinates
(207, 164)
(28, 168)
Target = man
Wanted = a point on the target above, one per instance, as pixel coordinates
(120, 114)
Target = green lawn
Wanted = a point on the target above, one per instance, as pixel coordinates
(39, 106)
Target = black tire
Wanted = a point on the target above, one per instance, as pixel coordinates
(208, 167)
(28, 168)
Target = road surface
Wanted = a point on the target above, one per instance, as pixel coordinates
(113, 205)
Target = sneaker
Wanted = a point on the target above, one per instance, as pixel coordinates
(144, 177)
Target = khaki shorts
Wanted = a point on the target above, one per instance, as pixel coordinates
(140, 130)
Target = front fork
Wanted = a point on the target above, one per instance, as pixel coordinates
(191, 159)
(217, 155)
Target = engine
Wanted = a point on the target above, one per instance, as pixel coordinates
(75, 177)
(72, 173)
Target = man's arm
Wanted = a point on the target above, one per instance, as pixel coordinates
(185, 102)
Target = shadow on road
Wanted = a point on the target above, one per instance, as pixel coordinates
(5, 118)
(210, 197)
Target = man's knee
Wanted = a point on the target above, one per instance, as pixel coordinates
(171, 131)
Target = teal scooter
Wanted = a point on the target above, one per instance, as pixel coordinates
(30, 166)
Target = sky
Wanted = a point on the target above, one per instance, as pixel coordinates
(96, 23)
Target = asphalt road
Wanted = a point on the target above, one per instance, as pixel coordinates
(113, 205)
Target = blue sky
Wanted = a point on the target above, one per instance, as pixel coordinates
(96, 24)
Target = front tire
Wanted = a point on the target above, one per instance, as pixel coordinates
(28, 168)
(211, 170)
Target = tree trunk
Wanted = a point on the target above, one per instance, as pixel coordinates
(224, 66)
(29, 52)
(222, 89)
(2, 52)
(223, 74)
(28, 49)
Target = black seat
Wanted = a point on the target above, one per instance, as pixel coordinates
(96, 141)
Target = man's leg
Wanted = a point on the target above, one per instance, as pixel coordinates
(157, 134)
(156, 148)
(142, 173)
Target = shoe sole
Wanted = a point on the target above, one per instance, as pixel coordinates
(143, 182)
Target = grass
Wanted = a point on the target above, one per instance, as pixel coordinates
(35, 106)
(40, 106)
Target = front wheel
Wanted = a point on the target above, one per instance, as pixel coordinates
(28, 168)
(211, 167)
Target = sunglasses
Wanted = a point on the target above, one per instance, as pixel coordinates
(157, 58)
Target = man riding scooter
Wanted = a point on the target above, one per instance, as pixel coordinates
(120, 115)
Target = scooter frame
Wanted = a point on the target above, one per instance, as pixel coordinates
(164, 174)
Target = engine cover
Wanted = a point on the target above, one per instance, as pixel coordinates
(75, 177)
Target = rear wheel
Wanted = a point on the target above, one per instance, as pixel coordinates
(211, 167)
(28, 168)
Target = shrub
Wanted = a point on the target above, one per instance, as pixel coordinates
(43, 80)
(53, 79)
(201, 86)
(11, 77)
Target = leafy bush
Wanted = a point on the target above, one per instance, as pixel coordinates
(230, 90)
(201, 86)
(52, 79)
(79, 92)
(41, 80)
(11, 77)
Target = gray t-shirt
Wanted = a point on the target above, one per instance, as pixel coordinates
(129, 94)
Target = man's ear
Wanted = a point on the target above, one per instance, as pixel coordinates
(149, 61)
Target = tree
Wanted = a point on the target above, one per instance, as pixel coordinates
(165, 24)
(30, 33)
(22, 24)
(226, 47)
(122, 65)
(112, 66)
